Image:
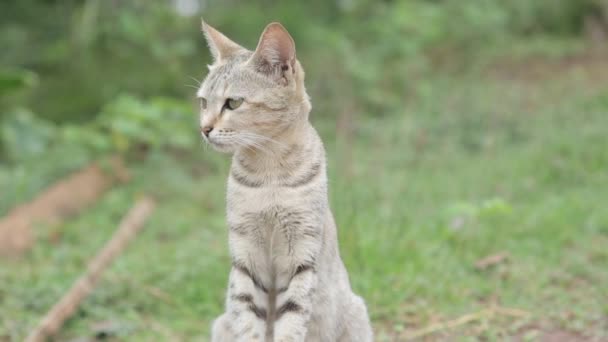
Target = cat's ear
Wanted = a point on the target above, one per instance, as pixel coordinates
(276, 52)
(221, 46)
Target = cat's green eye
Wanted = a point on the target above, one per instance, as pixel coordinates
(203, 103)
(233, 104)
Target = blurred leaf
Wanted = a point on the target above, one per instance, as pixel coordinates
(13, 80)
(161, 122)
(24, 135)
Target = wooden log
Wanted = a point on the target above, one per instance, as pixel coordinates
(130, 225)
(63, 199)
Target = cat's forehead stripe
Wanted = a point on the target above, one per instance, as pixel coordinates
(220, 75)
(217, 81)
(213, 81)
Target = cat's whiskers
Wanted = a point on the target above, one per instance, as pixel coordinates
(248, 144)
(261, 141)
(205, 144)
(260, 146)
(250, 141)
(196, 80)
(262, 137)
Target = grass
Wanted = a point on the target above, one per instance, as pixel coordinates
(474, 165)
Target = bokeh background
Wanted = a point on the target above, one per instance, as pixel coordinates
(467, 144)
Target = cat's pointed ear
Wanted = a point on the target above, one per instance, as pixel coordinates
(276, 52)
(221, 46)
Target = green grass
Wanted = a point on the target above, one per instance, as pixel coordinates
(474, 165)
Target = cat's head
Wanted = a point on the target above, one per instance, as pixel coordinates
(250, 97)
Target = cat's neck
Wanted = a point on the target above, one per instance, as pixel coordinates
(286, 150)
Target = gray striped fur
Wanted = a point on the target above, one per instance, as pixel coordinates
(287, 281)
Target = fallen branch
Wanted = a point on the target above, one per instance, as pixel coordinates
(130, 225)
(491, 261)
(468, 318)
(64, 198)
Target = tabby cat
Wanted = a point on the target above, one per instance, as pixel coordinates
(287, 281)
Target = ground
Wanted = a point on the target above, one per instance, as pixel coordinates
(477, 213)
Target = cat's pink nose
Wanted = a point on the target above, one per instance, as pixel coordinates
(206, 130)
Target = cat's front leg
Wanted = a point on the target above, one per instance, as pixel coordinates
(246, 305)
(294, 304)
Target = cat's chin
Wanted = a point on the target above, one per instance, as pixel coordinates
(222, 148)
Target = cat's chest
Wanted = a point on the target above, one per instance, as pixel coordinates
(242, 199)
(272, 215)
(267, 207)
(273, 229)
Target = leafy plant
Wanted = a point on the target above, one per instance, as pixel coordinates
(128, 123)
(25, 136)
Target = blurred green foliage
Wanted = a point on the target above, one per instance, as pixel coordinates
(66, 60)
(90, 77)
(128, 121)
(96, 77)
(458, 150)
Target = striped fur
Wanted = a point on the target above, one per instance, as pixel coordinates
(287, 281)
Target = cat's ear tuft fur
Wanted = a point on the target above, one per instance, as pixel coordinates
(221, 46)
(276, 52)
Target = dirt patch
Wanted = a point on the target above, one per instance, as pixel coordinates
(552, 335)
(489, 324)
(555, 335)
(491, 261)
(532, 69)
(63, 199)
(561, 336)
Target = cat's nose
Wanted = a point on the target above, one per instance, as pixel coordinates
(206, 130)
